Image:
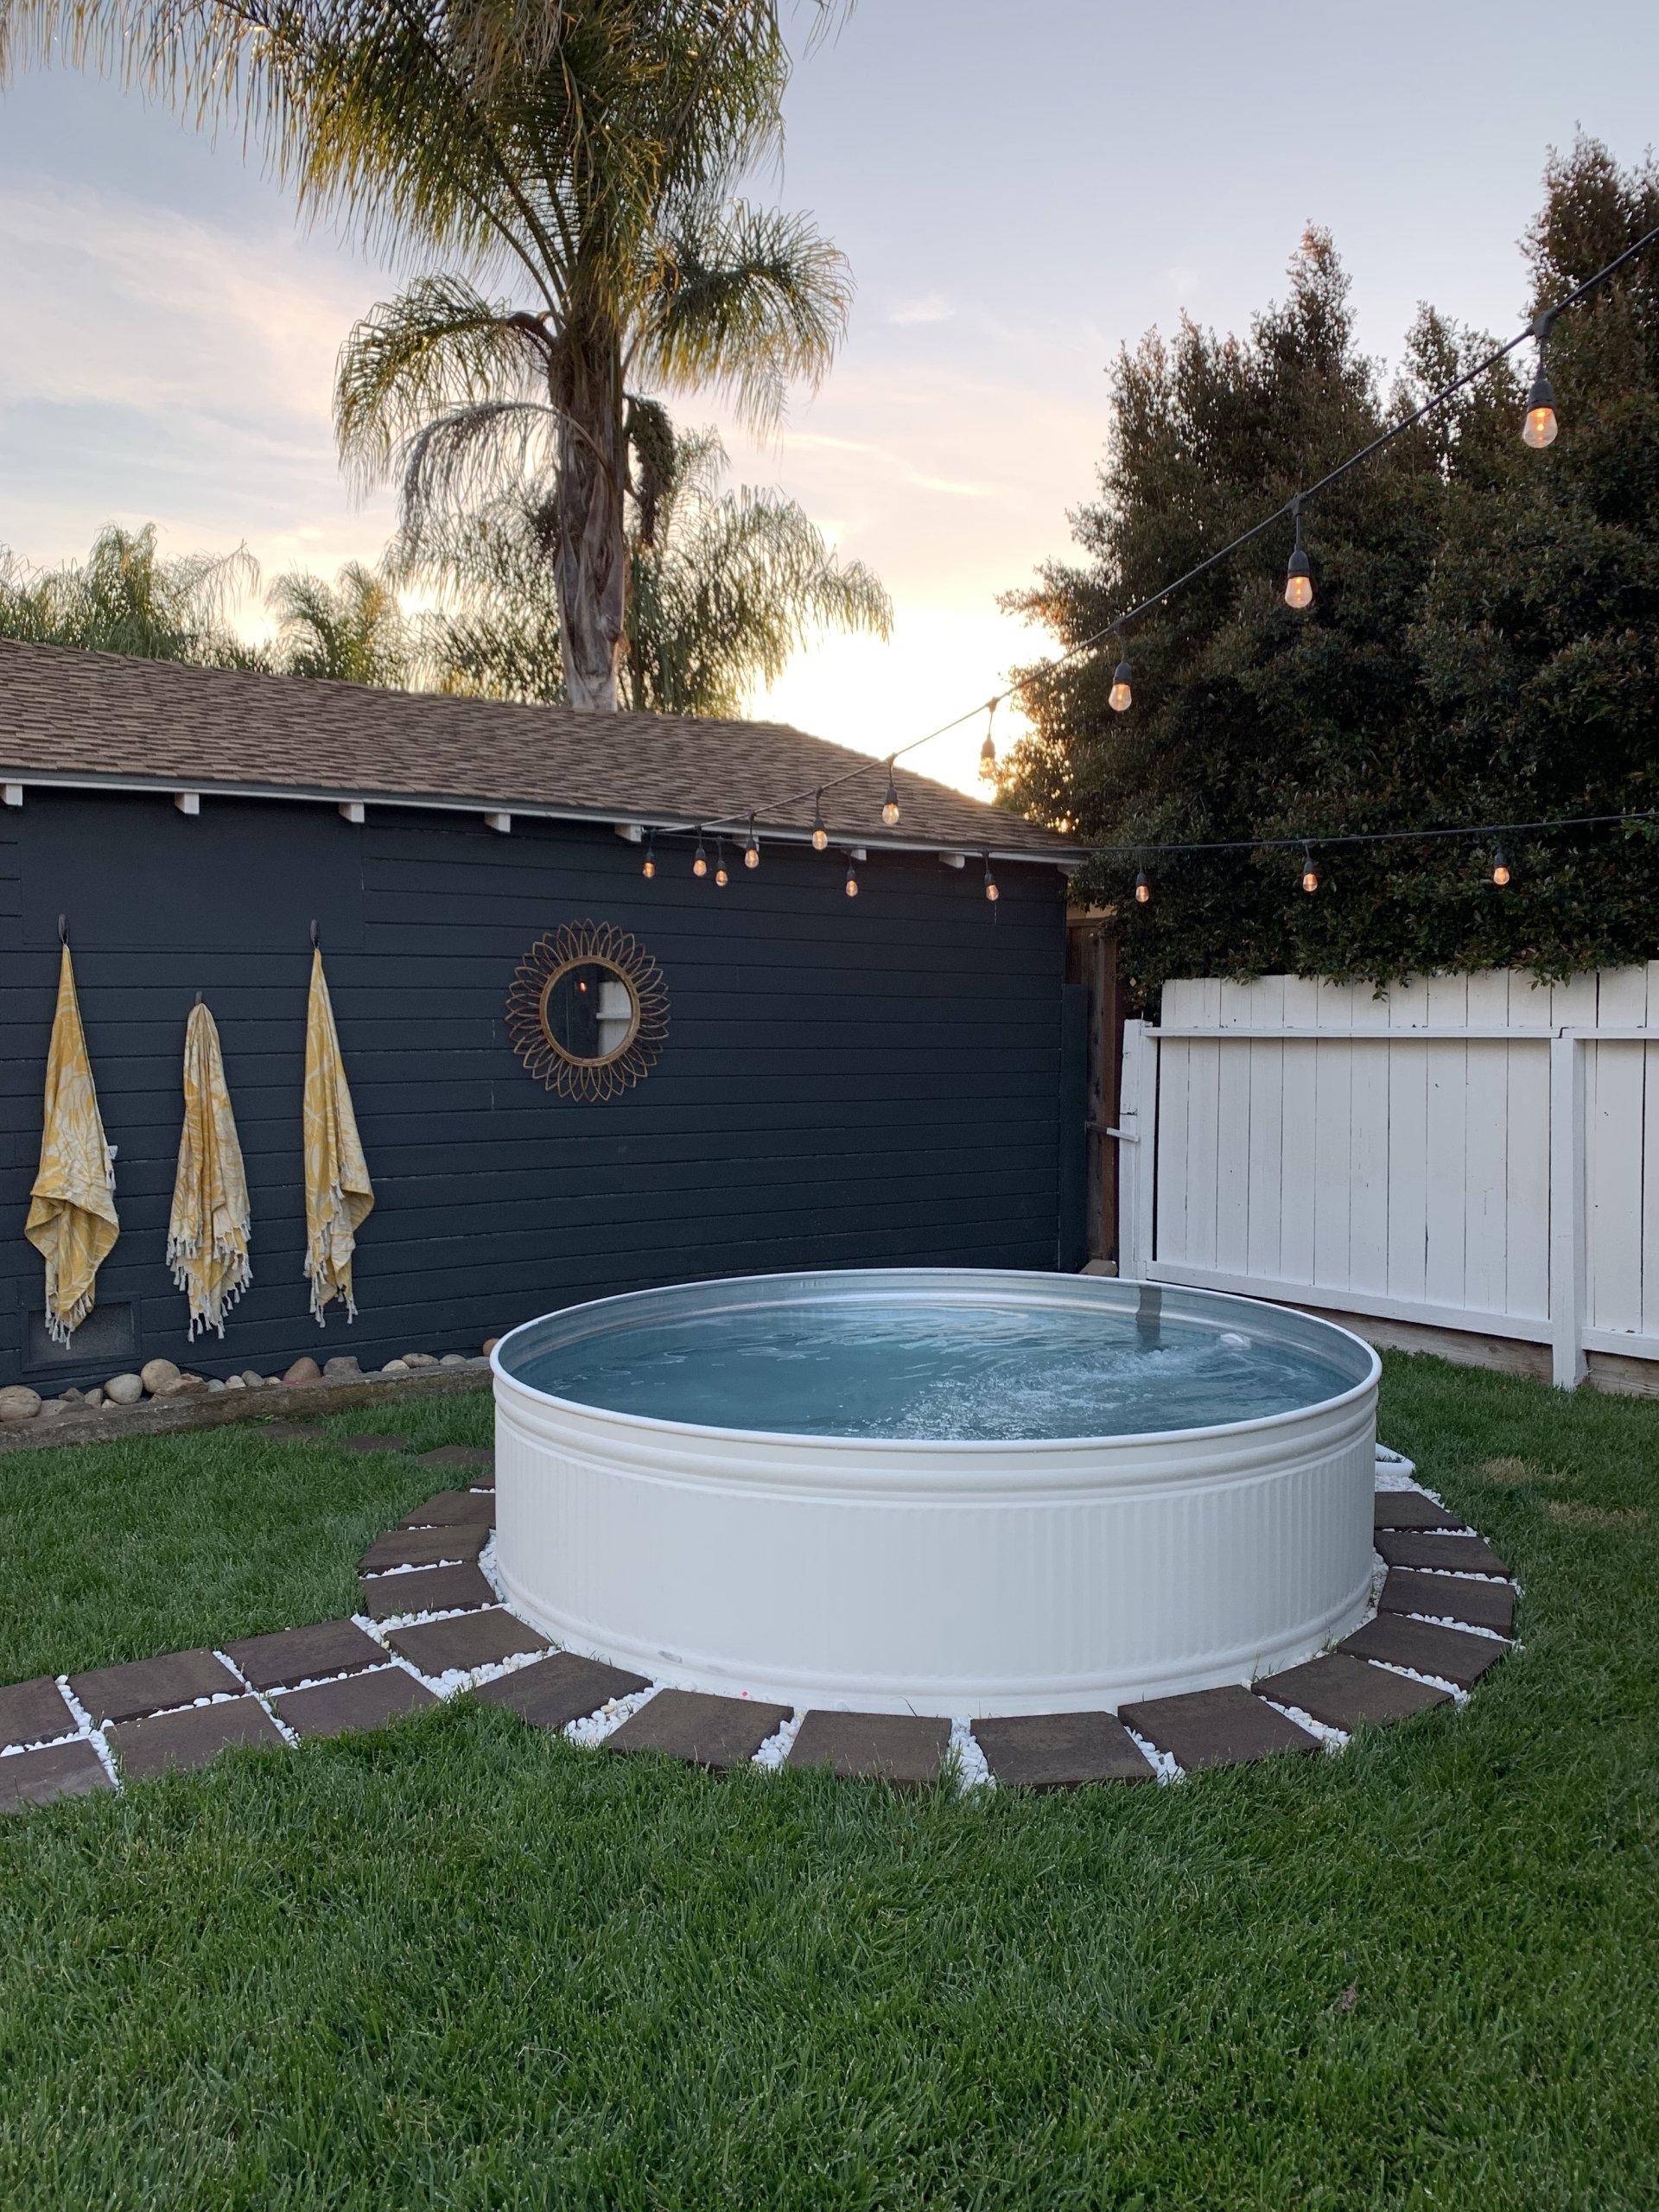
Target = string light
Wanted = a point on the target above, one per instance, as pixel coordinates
(650, 867)
(1539, 429)
(1121, 697)
(721, 876)
(1310, 871)
(988, 751)
(851, 884)
(889, 804)
(699, 859)
(820, 834)
(1299, 577)
(1500, 867)
(991, 891)
(751, 850)
(1142, 889)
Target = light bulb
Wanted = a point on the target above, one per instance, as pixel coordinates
(851, 884)
(820, 834)
(1541, 427)
(1142, 890)
(1299, 577)
(991, 891)
(1310, 871)
(987, 750)
(699, 861)
(1500, 868)
(721, 876)
(751, 850)
(1121, 697)
(650, 867)
(889, 804)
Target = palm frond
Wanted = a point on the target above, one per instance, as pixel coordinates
(352, 631)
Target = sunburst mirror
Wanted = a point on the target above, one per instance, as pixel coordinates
(587, 1012)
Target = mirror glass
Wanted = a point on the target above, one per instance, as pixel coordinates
(589, 1012)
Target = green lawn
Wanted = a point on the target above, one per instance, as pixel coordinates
(462, 1965)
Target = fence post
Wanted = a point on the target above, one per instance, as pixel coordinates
(1566, 1225)
(1136, 1131)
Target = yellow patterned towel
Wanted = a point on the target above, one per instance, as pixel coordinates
(207, 1235)
(338, 1192)
(72, 1218)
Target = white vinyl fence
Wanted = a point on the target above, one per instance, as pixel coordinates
(1469, 1153)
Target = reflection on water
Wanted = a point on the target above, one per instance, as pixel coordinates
(918, 1369)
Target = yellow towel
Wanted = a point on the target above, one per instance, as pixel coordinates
(338, 1192)
(207, 1235)
(72, 1218)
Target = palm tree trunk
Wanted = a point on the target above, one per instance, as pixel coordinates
(591, 562)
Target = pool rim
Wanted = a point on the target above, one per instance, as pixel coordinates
(662, 1425)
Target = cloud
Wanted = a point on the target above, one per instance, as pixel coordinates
(930, 307)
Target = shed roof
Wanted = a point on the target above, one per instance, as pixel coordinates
(102, 720)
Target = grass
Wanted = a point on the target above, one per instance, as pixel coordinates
(460, 1964)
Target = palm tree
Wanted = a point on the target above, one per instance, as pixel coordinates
(126, 597)
(588, 152)
(353, 630)
(723, 589)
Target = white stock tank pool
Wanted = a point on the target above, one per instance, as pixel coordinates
(939, 1490)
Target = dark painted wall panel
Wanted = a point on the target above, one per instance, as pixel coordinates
(845, 1082)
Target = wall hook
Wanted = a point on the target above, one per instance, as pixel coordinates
(316, 938)
(63, 929)
(198, 998)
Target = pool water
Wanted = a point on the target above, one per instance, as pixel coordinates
(918, 1368)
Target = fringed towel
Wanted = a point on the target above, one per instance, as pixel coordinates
(338, 1192)
(72, 1218)
(207, 1235)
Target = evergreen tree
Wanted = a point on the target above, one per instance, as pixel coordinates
(1482, 645)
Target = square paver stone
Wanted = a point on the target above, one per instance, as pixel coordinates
(465, 1640)
(1342, 1692)
(1058, 1750)
(303, 1655)
(369, 1441)
(1450, 1597)
(33, 1712)
(424, 1547)
(1448, 1654)
(904, 1748)
(458, 1455)
(1411, 1508)
(151, 1685)
(62, 1770)
(717, 1733)
(1461, 1554)
(433, 1590)
(359, 1701)
(453, 1508)
(565, 1688)
(1222, 1727)
(190, 1739)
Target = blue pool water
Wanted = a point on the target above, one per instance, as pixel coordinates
(920, 1368)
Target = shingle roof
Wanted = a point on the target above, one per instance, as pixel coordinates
(99, 718)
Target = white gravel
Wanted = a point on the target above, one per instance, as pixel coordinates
(972, 1773)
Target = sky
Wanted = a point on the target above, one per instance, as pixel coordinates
(1020, 191)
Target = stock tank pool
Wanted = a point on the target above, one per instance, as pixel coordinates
(942, 1490)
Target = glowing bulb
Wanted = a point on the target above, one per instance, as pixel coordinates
(1310, 871)
(650, 867)
(751, 850)
(991, 891)
(851, 884)
(988, 751)
(721, 876)
(1299, 585)
(820, 834)
(1121, 697)
(1541, 427)
(1500, 868)
(699, 861)
(889, 804)
(1142, 890)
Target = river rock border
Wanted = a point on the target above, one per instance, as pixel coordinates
(431, 1625)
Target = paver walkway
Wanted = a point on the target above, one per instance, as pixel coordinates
(432, 1625)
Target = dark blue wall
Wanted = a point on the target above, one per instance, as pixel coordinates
(846, 1081)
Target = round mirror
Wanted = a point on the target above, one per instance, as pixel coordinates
(590, 1011)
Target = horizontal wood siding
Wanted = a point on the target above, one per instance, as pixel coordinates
(845, 1082)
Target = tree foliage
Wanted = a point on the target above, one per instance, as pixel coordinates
(127, 598)
(1483, 645)
(588, 154)
(352, 631)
